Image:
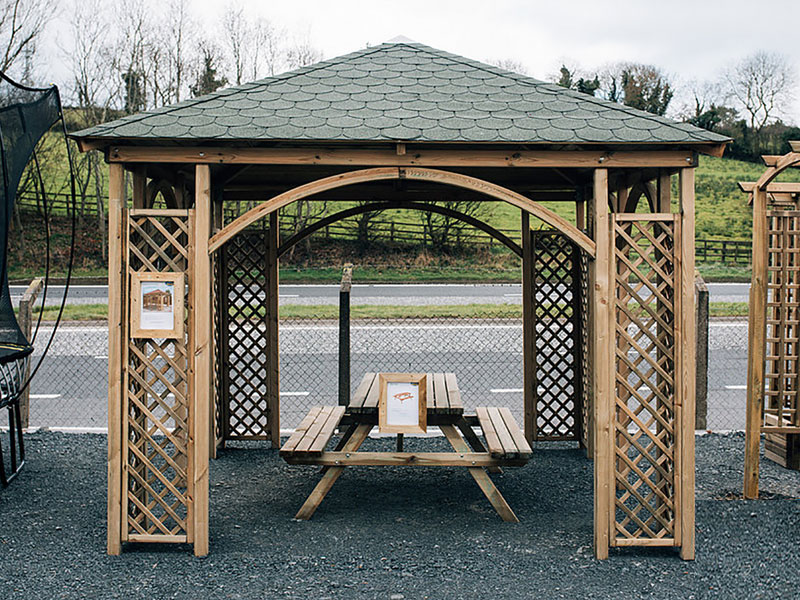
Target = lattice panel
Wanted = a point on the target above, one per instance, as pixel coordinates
(783, 319)
(245, 331)
(645, 419)
(584, 367)
(555, 281)
(156, 411)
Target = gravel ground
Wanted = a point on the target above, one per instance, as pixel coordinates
(392, 533)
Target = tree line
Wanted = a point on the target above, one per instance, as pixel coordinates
(746, 101)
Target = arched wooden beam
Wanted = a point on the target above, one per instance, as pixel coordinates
(161, 185)
(637, 191)
(784, 162)
(416, 173)
(379, 206)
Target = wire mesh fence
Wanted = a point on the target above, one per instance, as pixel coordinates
(70, 389)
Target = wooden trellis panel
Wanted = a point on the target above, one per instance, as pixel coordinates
(157, 446)
(584, 380)
(557, 384)
(783, 321)
(646, 412)
(248, 385)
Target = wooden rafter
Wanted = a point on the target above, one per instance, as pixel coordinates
(416, 157)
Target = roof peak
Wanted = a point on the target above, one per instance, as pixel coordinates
(401, 39)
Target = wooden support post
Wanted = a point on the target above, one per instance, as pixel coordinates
(26, 324)
(201, 349)
(273, 394)
(757, 344)
(140, 187)
(528, 332)
(685, 428)
(604, 366)
(116, 337)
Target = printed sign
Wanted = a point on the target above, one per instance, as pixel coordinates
(402, 404)
(157, 305)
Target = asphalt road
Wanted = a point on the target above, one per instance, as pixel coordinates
(382, 294)
(70, 390)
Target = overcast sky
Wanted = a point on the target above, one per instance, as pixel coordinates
(690, 39)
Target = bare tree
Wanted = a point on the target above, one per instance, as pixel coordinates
(510, 64)
(302, 53)
(638, 85)
(254, 45)
(21, 24)
(762, 86)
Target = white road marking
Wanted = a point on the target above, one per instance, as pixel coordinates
(45, 396)
(289, 295)
(295, 393)
(101, 357)
(506, 390)
(735, 387)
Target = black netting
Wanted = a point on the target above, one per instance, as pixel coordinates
(26, 114)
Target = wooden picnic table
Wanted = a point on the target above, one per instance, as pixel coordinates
(505, 444)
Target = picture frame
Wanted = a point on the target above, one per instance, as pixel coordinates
(403, 403)
(156, 306)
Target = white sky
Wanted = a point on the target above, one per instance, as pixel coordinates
(690, 39)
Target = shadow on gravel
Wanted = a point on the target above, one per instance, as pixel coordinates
(383, 532)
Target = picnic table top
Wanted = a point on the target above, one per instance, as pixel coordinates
(443, 395)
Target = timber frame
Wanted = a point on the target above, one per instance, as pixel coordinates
(620, 258)
(403, 125)
(773, 355)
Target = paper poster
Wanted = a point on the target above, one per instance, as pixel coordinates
(158, 305)
(402, 403)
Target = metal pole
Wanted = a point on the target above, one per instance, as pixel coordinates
(344, 335)
(701, 383)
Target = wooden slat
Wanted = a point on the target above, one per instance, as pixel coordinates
(314, 430)
(502, 431)
(360, 395)
(440, 393)
(273, 359)
(521, 446)
(371, 401)
(453, 393)
(327, 430)
(299, 433)
(489, 433)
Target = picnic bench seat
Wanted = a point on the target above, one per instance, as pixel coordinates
(503, 436)
(314, 432)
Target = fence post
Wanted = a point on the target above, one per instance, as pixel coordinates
(701, 383)
(26, 322)
(344, 334)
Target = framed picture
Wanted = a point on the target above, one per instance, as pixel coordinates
(157, 305)
(402, 403)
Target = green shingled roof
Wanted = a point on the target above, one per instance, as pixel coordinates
(402, 92)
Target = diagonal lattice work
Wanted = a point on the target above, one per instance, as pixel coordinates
(244, 330)
(156, 406)
(556, 291)
(584, 364)
(783, 319)
(645, 413)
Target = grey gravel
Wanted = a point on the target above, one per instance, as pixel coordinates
(392, 532)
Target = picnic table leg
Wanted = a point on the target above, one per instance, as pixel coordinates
(316, 497)
(481, 477)
(351, 429)
(474, 441)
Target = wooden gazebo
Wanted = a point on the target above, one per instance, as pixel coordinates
(409, 126)
(773, 355)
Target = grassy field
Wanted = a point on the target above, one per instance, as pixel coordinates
(99, 312)
(722, 213)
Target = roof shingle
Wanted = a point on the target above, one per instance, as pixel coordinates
(405, 92)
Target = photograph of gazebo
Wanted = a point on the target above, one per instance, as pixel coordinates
(403, 125)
